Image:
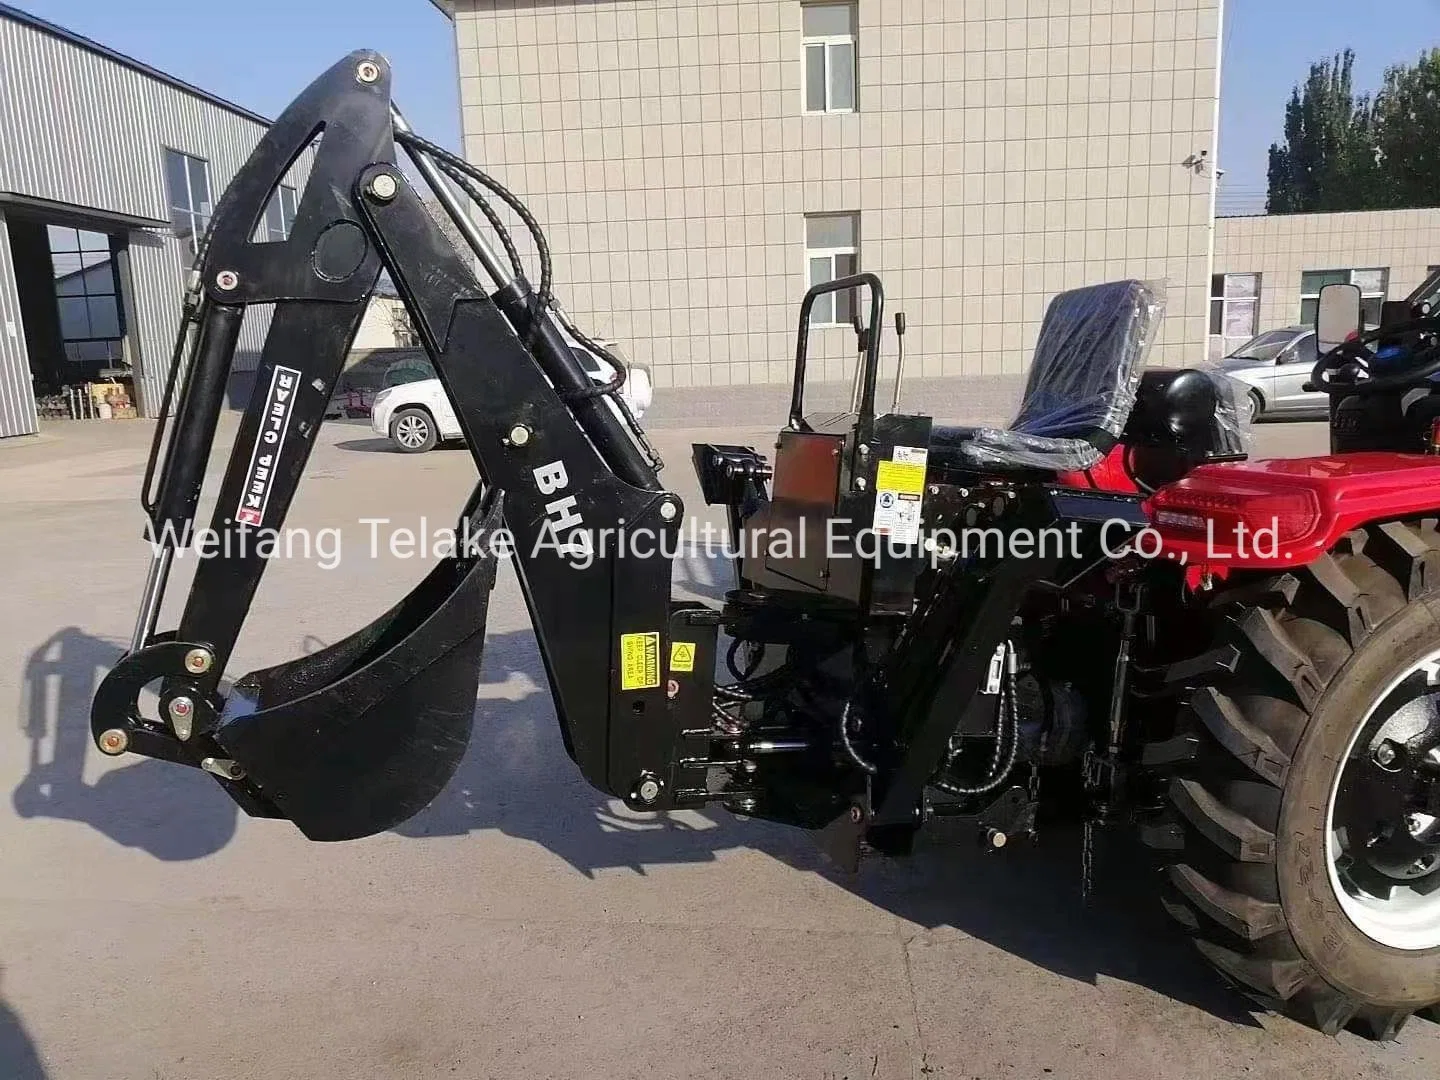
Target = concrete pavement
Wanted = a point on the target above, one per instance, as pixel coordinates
(522, 926)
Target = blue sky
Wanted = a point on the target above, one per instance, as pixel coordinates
(1268, 46)
(259, 53)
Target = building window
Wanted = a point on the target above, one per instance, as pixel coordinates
(832, 250)
(1235, 305)
(279, 216)
(86, 294)
(187, 183)
(829, 45)
(1373, 283)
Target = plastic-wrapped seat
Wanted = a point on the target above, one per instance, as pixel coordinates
(1082, 385)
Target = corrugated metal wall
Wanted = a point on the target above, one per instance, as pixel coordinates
(81, 128)
(17, 401)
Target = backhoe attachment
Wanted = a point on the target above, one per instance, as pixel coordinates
(356, 738)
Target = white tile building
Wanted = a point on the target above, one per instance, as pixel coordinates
(698, 163)
(1269, 270)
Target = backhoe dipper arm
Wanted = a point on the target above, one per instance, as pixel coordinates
(564, 506)
(359, 736)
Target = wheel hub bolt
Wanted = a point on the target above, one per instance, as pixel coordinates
(1386, 755)
(648, 791)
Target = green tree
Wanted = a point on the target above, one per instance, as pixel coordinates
(1328, 159)
(1407, 134)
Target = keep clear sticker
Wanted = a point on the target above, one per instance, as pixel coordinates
(900, 493)
(639, 661)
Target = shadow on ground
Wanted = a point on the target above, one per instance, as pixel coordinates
(19, 1060)
(517, 779)
(378, 445)
(1028, 901)
(171, 812)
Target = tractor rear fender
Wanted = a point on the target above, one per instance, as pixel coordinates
(1264, 515)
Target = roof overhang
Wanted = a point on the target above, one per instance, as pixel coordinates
(36, 23)
(446, 6)
(68, 213)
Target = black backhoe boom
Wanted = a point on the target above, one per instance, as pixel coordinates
(358, 737)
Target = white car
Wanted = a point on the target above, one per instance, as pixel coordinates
(415, 414)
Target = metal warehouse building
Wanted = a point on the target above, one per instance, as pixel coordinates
(108, 170)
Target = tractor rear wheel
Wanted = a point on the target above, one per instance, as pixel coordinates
(1303, 828)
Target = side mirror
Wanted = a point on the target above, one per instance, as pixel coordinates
(1338, 315)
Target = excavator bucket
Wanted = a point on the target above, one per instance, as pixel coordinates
(345, 742)
(360, 736)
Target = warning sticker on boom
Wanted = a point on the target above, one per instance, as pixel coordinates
(682, 656)
(639, 661)
(899, 494)
(274, 423)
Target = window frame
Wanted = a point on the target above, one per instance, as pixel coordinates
(1226, 301)
(1314, 297)
(1291, 353)
(87, 294)
(197, 220)
(828, 43)
(852, 251)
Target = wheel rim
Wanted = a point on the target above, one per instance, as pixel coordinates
(1383, 820)
(1254, 408)
(411, 432)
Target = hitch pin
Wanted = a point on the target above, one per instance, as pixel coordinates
(152, 596)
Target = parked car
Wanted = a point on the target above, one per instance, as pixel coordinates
(416, 415)
(355, 402)
(1274, 367)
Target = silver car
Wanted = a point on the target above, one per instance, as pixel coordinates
(1274, 367)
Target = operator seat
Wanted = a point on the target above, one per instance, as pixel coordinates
(1083, 379)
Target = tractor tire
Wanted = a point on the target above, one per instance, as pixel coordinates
(1269, 764)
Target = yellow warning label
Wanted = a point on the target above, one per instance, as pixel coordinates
(682, 656)
(639, 661)
(901, 477)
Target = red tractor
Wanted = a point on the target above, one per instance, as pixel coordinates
(1101, 612)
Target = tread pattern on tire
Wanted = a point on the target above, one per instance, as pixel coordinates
(1230, 757)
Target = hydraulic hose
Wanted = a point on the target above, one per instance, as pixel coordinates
(1010, 726)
